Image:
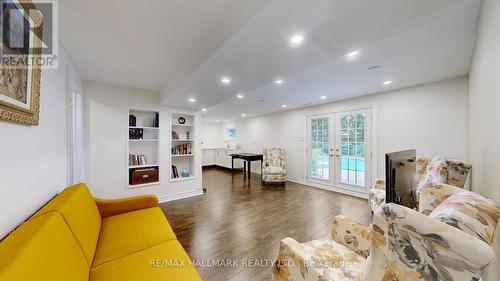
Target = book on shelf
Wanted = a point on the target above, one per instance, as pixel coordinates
(175, 173)
(182, 149)
(137, 160)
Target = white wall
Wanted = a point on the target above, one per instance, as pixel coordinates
(484, 102)
(431, 118)
(211, 135)
(107, 138)
(34, 159)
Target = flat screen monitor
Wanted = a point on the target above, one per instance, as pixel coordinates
(400, 170)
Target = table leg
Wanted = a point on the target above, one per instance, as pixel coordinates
(232, 165)
(244, 169)
(249, 168)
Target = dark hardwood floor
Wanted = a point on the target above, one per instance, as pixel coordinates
(240, 219)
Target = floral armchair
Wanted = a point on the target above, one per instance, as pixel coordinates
(274, 166)
(435, 170)
(449, 240)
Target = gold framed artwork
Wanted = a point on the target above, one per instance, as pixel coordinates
(19, 76)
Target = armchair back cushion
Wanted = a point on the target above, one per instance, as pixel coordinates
(436, 172)
(79, 210)
(469, 212)
(274, 157)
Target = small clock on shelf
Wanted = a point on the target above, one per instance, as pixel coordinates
(181, 120)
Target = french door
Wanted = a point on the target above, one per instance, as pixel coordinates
(339, 149)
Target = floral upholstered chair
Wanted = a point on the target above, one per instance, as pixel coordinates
(274, 169)
(435, 170)
(450, 239)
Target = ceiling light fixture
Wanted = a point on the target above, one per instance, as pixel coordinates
(388, 82)
(203, 109)
(323, 97)
(240, 96)
(192, 100)
(279, 81)
(352, 54)
(218, 121)
(225, 80)
(243, 115)
(296, 40)
(283, 105)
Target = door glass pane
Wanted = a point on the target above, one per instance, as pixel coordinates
(352, 162)
(320, 162)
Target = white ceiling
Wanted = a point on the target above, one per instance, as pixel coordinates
(184, 47)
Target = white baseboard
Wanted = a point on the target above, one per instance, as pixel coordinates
(180, 195)
(329, 188)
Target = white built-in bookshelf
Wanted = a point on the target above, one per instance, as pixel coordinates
(143, 149)
(182, 147)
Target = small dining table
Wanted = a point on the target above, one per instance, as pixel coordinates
(247, 158)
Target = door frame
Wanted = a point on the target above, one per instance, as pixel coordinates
(330, 185)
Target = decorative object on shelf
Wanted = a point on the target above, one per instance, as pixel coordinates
(185, 174)
(132, 120)
(181, 120)
(20, 83)
(175, 135)
(143, 176)
(135, 134)
(187, 135)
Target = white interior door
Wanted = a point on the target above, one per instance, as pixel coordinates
(339, 149)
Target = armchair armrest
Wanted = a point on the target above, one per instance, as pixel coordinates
(434, 194)
(111, 207)
(351, 234)
(402, 235)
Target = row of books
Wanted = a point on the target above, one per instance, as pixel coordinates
(182, 149)
(135, 160)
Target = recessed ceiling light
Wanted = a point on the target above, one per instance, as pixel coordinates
(217, 121)
(388, 82)
(203, 109)
(240, 96)
(352, 54)
(279, 81)
(243, 115)
(283, 105)
(192, 100)
(296, 39)
(225, 80)
(323, 97)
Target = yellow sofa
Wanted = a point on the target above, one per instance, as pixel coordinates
(76, 237)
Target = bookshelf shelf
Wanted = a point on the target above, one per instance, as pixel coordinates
(146, 128)
(143, 148)
(182, 144)
(182, 179)
(142, 140)
(143, 166)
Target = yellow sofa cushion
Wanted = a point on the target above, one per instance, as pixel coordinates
(42, 249)
(165, 261)
(130, 232)
(80, 212)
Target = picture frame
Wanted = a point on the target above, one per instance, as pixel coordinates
(231, 133)
(20, 86)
